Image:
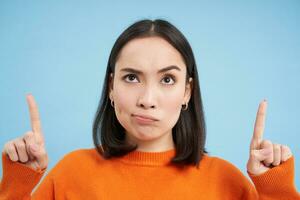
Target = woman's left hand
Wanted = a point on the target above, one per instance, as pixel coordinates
(263, 153)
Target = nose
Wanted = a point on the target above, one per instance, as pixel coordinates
(147, 98)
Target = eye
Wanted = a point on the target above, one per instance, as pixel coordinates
(169, 78)
(130, 77)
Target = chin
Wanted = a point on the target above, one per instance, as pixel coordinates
(145, 136)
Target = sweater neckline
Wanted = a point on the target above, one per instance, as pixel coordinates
(149, 158)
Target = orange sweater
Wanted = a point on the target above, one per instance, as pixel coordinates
(84, 174)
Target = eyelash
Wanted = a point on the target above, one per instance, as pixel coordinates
(167, 75)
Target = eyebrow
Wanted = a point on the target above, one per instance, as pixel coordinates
(159, 71)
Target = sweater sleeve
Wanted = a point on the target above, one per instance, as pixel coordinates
(277, 183)
(19, 180)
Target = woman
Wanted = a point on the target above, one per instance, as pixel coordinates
(149, 136)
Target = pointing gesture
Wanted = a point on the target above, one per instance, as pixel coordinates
(263, 153)
(30, 148)
(35, 119)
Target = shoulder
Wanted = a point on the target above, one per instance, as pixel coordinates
(78, 159)
(218, 163)
(83, 154)
(222, 166)
(226, 177)
(227, 172)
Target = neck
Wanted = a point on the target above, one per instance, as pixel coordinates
(163, 143)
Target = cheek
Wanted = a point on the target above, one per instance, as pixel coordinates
(172, 106)
(172, 100)
(124, 104)
(123, 99)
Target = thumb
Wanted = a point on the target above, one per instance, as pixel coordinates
(34, 148)
(261, 154)
(40, 154)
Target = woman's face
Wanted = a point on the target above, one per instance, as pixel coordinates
(149, 80)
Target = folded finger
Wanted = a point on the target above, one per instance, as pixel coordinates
(267, 144)
(11, 151)
(29, 141)
(276, 154)
(21, 150)
(286, 153)
(41, 157)
(260, 155)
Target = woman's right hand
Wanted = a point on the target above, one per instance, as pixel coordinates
(29, 149)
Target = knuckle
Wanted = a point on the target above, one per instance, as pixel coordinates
(10, 149)
(28, 135)
(268, 142)
(269, 159)
(5, 147)
(20, 145)
(283, 150)
(276, 146)
(11, 152)
(286, 148)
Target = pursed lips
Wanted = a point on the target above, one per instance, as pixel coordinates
(145, 117)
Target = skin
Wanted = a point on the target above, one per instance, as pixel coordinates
(263, 153)
(152, 93)
(29, 149)
(147, 94)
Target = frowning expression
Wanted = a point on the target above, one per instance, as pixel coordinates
(149, 80)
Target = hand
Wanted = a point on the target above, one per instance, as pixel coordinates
(263, 153)
(29, 149)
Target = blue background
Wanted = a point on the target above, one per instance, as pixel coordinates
(245, 50)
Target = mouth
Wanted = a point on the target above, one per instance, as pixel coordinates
(144, 118)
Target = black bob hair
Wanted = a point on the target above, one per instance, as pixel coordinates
(189, 132)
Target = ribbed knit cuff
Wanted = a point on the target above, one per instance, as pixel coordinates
(277, 181)
(18, 179)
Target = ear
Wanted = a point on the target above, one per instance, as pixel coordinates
(188, 91)
(110, 85)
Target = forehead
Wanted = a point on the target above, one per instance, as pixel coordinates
(150, 53)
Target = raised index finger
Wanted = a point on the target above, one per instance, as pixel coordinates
(259, 125)
(34, 115)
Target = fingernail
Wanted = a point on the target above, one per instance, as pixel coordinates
(34, 147)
